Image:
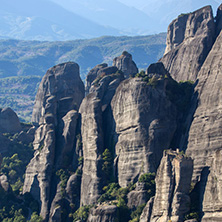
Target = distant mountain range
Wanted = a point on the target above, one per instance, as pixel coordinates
(52, 20)
(45, 20)
(25, 58)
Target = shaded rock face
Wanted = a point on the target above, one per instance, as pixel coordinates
(93, 109)
(105, 213)
(9, 121)
(56, 105)
(212, 202)
(205, 137)
(92, 75)
(219, 20)
(157, 68)
(189, 40)
(173, 181)
(126, 64)
(143, 128)
(205, 132)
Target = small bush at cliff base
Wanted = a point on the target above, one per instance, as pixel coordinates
(82, 213)
(107, 166)
(149, 180)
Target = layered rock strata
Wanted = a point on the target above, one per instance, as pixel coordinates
(59, 96)
(143, 127)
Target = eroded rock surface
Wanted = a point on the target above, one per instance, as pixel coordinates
(59, 96)
(104, 213)
(93, 109)
(92, 75)
(126, 64)
(173, 181)
(205, 133)
(145, 123)
(189, 40)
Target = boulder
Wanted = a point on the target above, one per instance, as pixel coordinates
(104, 213)
(9, 121)
(126, 64)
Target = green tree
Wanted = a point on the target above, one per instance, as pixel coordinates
(107, 166)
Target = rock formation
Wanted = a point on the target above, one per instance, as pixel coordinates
(140, 123)
(173, 181)
(93, 109)
(135, 119)
(92, 75)
(126, 64)
(189, 40)
(9, 121)
(106, 213)
(56, 111)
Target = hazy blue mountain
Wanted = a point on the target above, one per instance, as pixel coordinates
(22, 58)
(164, 11)
(45, 20)
(112, 13)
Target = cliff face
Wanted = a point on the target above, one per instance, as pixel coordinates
(140, 123)
(189, 40)
(57, 102)
(133, 121)
(173, 181)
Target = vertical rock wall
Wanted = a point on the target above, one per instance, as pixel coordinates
(59, 96)
(189, 40)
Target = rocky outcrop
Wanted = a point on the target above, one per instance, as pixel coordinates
(173, 181)
(4, 183)
(9, 121)
(147, 211)
(56, 111)
(93, 123)
(126, 64)
(143, 127)
(137, 197)
(212, 202)
(61, 85)
(104, 213)
(189, 39)
(92, 75)
(157, 68)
